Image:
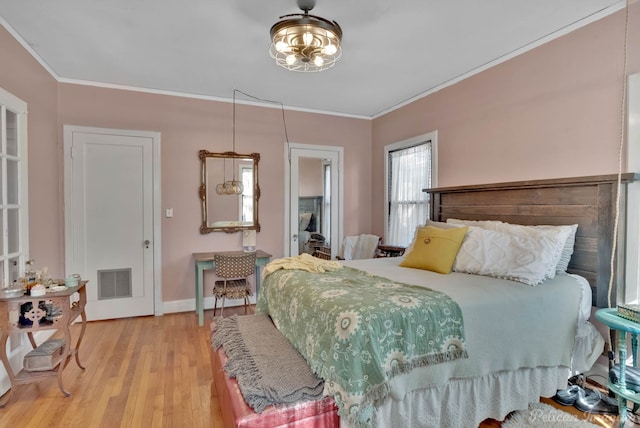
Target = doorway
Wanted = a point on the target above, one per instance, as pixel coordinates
(112, 219)
(313, 199)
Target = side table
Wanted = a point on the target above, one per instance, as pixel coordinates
(610, 318)
(390, 251)
(29, 314)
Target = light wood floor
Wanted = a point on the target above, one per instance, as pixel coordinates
(140, 372)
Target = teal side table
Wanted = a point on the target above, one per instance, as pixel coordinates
(610, 318)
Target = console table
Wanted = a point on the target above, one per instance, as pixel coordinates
(204, 261)
(53, 311)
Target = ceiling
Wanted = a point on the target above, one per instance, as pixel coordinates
(393, 51)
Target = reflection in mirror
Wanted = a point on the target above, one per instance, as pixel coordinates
(234, 209)
(314, 206)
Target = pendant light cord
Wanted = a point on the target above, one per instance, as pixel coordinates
(284, 122)
(623, 104)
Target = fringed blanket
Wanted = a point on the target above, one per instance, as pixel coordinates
(267, 368)
(357, 331)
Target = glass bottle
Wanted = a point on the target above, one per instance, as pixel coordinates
(30, 274)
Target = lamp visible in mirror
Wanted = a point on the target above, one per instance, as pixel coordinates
(230, 187)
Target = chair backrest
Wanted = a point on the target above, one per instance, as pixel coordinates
(359, 247)
(235, 265)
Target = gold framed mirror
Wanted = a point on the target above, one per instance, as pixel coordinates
(234, 210)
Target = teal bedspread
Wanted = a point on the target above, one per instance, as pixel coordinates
(357, 331)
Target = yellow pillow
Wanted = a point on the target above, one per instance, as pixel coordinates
(435, 249)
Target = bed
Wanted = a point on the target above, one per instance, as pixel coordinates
(518, 342)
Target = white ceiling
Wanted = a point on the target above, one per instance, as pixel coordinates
(393, 51)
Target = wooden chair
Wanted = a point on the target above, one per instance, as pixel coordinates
(234, 269)
(322, 253)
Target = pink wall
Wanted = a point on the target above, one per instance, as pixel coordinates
(551, 112)
(21, 75)
(188, 125)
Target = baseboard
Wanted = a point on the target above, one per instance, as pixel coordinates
(189, 305)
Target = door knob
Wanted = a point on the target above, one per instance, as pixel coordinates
(146, 243)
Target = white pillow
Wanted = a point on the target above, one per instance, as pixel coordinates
(569, 232)
(520, 257)
(567, 250)
(487, 224)
(537, 231)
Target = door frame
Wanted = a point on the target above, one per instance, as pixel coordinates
(339, 151)
(68, 131)
(631, 290)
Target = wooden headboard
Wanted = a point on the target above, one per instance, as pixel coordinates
(587, 201)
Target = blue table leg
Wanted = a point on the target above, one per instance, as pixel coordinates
(199, 293)
(257, 282)
(622, 352)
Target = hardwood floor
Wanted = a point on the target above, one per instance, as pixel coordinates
(140, 372)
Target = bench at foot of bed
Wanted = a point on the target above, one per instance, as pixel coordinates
(237, 414)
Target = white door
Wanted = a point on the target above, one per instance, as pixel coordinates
(109, 218)
(332, 198)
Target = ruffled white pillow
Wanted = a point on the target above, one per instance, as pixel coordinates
(567, 250)
(529, 258)
(569, 232)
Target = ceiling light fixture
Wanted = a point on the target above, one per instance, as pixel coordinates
(303, 42)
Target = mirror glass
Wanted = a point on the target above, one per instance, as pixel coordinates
(314, 205)
(229, 211)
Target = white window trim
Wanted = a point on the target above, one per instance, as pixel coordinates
(429, 136)
(16, 348)
(632, 274)
(19, 107)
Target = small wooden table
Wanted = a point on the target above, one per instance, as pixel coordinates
(390, 251)
(15, 317)
(204, 261)
(610, 318)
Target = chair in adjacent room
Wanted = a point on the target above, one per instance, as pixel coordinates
(358, 247)
(234, 271)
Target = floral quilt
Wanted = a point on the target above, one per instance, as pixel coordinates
(357, 331)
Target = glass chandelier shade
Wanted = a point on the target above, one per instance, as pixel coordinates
(303, 42)
(230, 187)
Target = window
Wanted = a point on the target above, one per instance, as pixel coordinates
(410, 167)
(326, 201)
(632, 235)
(246, 200)
(14, 219)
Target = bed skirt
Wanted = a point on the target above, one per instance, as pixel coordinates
(468, 402)
(461, 402)
(237, 414)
